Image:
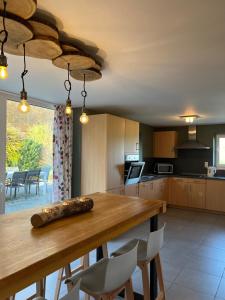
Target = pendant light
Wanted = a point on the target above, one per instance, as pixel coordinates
(23, 106)
(67, 85)
(3, 58)
(84, 119)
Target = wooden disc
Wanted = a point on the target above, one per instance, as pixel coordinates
(97, 66)
(68, 47)
(42, 47)
(19, 30)
(22, 8)
(43, 27)
(90, 74)
(76, 59)
(39, 47)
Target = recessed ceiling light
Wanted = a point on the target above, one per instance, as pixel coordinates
(190, 118)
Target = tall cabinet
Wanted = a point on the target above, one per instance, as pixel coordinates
(102, 162)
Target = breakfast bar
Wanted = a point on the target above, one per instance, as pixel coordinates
(28, 254)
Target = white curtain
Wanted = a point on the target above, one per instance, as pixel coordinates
(62, 154)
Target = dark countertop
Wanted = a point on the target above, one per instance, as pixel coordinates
(151, 177)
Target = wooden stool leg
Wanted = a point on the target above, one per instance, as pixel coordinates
(129, 290)
(58, 284)
(40, 288)
(145, 280)
(86, 263)
(160, 277)
(105, 251)
(68, 274)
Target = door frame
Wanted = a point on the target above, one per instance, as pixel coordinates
(2, 152)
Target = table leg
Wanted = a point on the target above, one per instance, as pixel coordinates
(99, 253)
(153, 273)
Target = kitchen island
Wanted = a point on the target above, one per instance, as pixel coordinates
(28, 254)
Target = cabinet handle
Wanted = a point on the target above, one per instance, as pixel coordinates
(137, 146)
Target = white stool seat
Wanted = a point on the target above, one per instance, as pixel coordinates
(107, 275)
(141, 251)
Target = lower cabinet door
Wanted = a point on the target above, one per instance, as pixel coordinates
(131, 190)
(179, 192)
(197, 192)
(215, 195)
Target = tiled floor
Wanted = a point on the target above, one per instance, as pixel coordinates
(193, 257)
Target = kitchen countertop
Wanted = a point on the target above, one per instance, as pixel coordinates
(151, 177)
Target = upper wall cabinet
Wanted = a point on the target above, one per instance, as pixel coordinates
(164, 144)
(131, 145)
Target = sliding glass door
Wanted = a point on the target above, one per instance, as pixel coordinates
(26, 155)
(2, 153)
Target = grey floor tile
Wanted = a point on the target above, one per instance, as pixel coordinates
(221, 289)
(210, 252)
(198, 281)
(179, 292)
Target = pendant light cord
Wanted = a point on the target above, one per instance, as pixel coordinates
(84, 93)
(4, 32)
(67, 82)
(24, 67)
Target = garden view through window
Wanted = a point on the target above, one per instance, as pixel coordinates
(220, 151)
(29, 157)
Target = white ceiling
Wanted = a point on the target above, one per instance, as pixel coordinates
(163, 58)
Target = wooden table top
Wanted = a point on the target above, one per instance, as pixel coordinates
(28, 254)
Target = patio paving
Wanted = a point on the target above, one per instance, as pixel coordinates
(23, 201)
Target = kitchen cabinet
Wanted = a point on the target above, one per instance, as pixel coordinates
(164, 144)
(215, 191)
(131, 190)
(131, 145)
(187, 192)
(154, 190)
(102, 155)
(117, 191)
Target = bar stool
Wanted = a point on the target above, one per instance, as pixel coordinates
(40, 290)
(109, 276)
(72, 295)
(147, 251)
(66, 272)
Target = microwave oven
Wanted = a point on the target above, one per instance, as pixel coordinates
(163, 168)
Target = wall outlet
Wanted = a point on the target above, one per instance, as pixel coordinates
(206, 164)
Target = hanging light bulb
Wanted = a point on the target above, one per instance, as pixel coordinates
(84, 119)
(67, 85)
(3, 58)
(23, 106)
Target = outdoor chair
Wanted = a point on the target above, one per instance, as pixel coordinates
(44, 175)
(17, 181)
(33, 178)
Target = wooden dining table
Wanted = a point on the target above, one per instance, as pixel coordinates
(28, 254)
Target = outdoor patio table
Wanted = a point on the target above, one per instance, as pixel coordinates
(27, 254)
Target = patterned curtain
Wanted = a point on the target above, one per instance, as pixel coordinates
(62, 154)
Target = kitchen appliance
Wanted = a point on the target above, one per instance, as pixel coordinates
(129, 158)
(192, 142)
(211, 171)
(163, 168)
(134, 173)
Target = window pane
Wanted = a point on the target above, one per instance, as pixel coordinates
(221, 151)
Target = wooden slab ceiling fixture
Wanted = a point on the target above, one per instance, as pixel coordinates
(22, 8)
(90, 74)
(77, 60)
(44, 43)
(66, 46)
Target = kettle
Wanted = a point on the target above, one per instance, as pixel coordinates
(211, 171)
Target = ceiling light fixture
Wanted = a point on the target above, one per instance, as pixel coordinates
(24, 106)
(68, 87)
(84, 119)
(190, 118)
(4, 37)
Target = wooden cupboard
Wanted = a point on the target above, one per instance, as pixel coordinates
(164, 144)
(102, 157)
(118, 191)
(154, 190)
(131, 190)
(131, 145)
(187, 192)
(215, 195)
